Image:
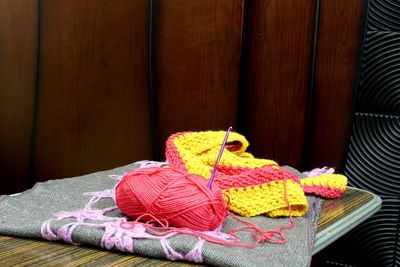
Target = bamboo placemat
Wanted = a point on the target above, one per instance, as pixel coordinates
(334, 210)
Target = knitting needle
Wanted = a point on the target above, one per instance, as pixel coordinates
(221, 150)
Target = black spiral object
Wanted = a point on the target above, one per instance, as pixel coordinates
(384, 15)
(377, 237)
(374, 243)
(379, 90)
(373, 161)
(373, 158)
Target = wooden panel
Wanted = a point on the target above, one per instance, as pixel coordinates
(278, 65)
(18, 33)
(197, 64)
(24, 252)
(93, 104)
(338, 56)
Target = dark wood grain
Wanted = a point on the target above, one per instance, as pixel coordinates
(18, 37)
(197, 63)
(93, 101)
(277, 77)
(337, 64)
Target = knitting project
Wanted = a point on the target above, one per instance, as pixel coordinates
(254, 186)
(82, 211)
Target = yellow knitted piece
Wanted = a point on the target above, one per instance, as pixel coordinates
(268, 199)
(333, 180)
(254, 186)
(253, 193)
(199, 150)
(326, 185)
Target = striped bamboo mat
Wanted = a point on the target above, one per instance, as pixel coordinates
(27, 252)
(334, 210)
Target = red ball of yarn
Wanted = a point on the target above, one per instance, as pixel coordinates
(182, 199)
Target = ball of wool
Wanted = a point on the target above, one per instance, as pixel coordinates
(181, 199)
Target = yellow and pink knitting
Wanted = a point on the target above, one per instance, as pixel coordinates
(254, 186)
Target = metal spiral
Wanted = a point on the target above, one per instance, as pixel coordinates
(384, 15)
(373, 161)
(379, 90)
(376, 239)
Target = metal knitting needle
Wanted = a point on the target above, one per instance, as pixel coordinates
(219, 157)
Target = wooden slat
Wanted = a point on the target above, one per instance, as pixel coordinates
(275, 91)
(337, 64)
(28, 252)
(18, 37)
(197, 58)
(93, 102)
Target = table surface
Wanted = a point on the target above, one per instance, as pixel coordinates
(338, 216)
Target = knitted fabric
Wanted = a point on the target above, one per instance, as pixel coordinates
(196, 152)
(326, 185)
(254, 186)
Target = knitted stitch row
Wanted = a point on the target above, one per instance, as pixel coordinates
(196, 152)
(254, 186)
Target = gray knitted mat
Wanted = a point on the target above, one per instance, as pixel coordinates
(81, 211)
